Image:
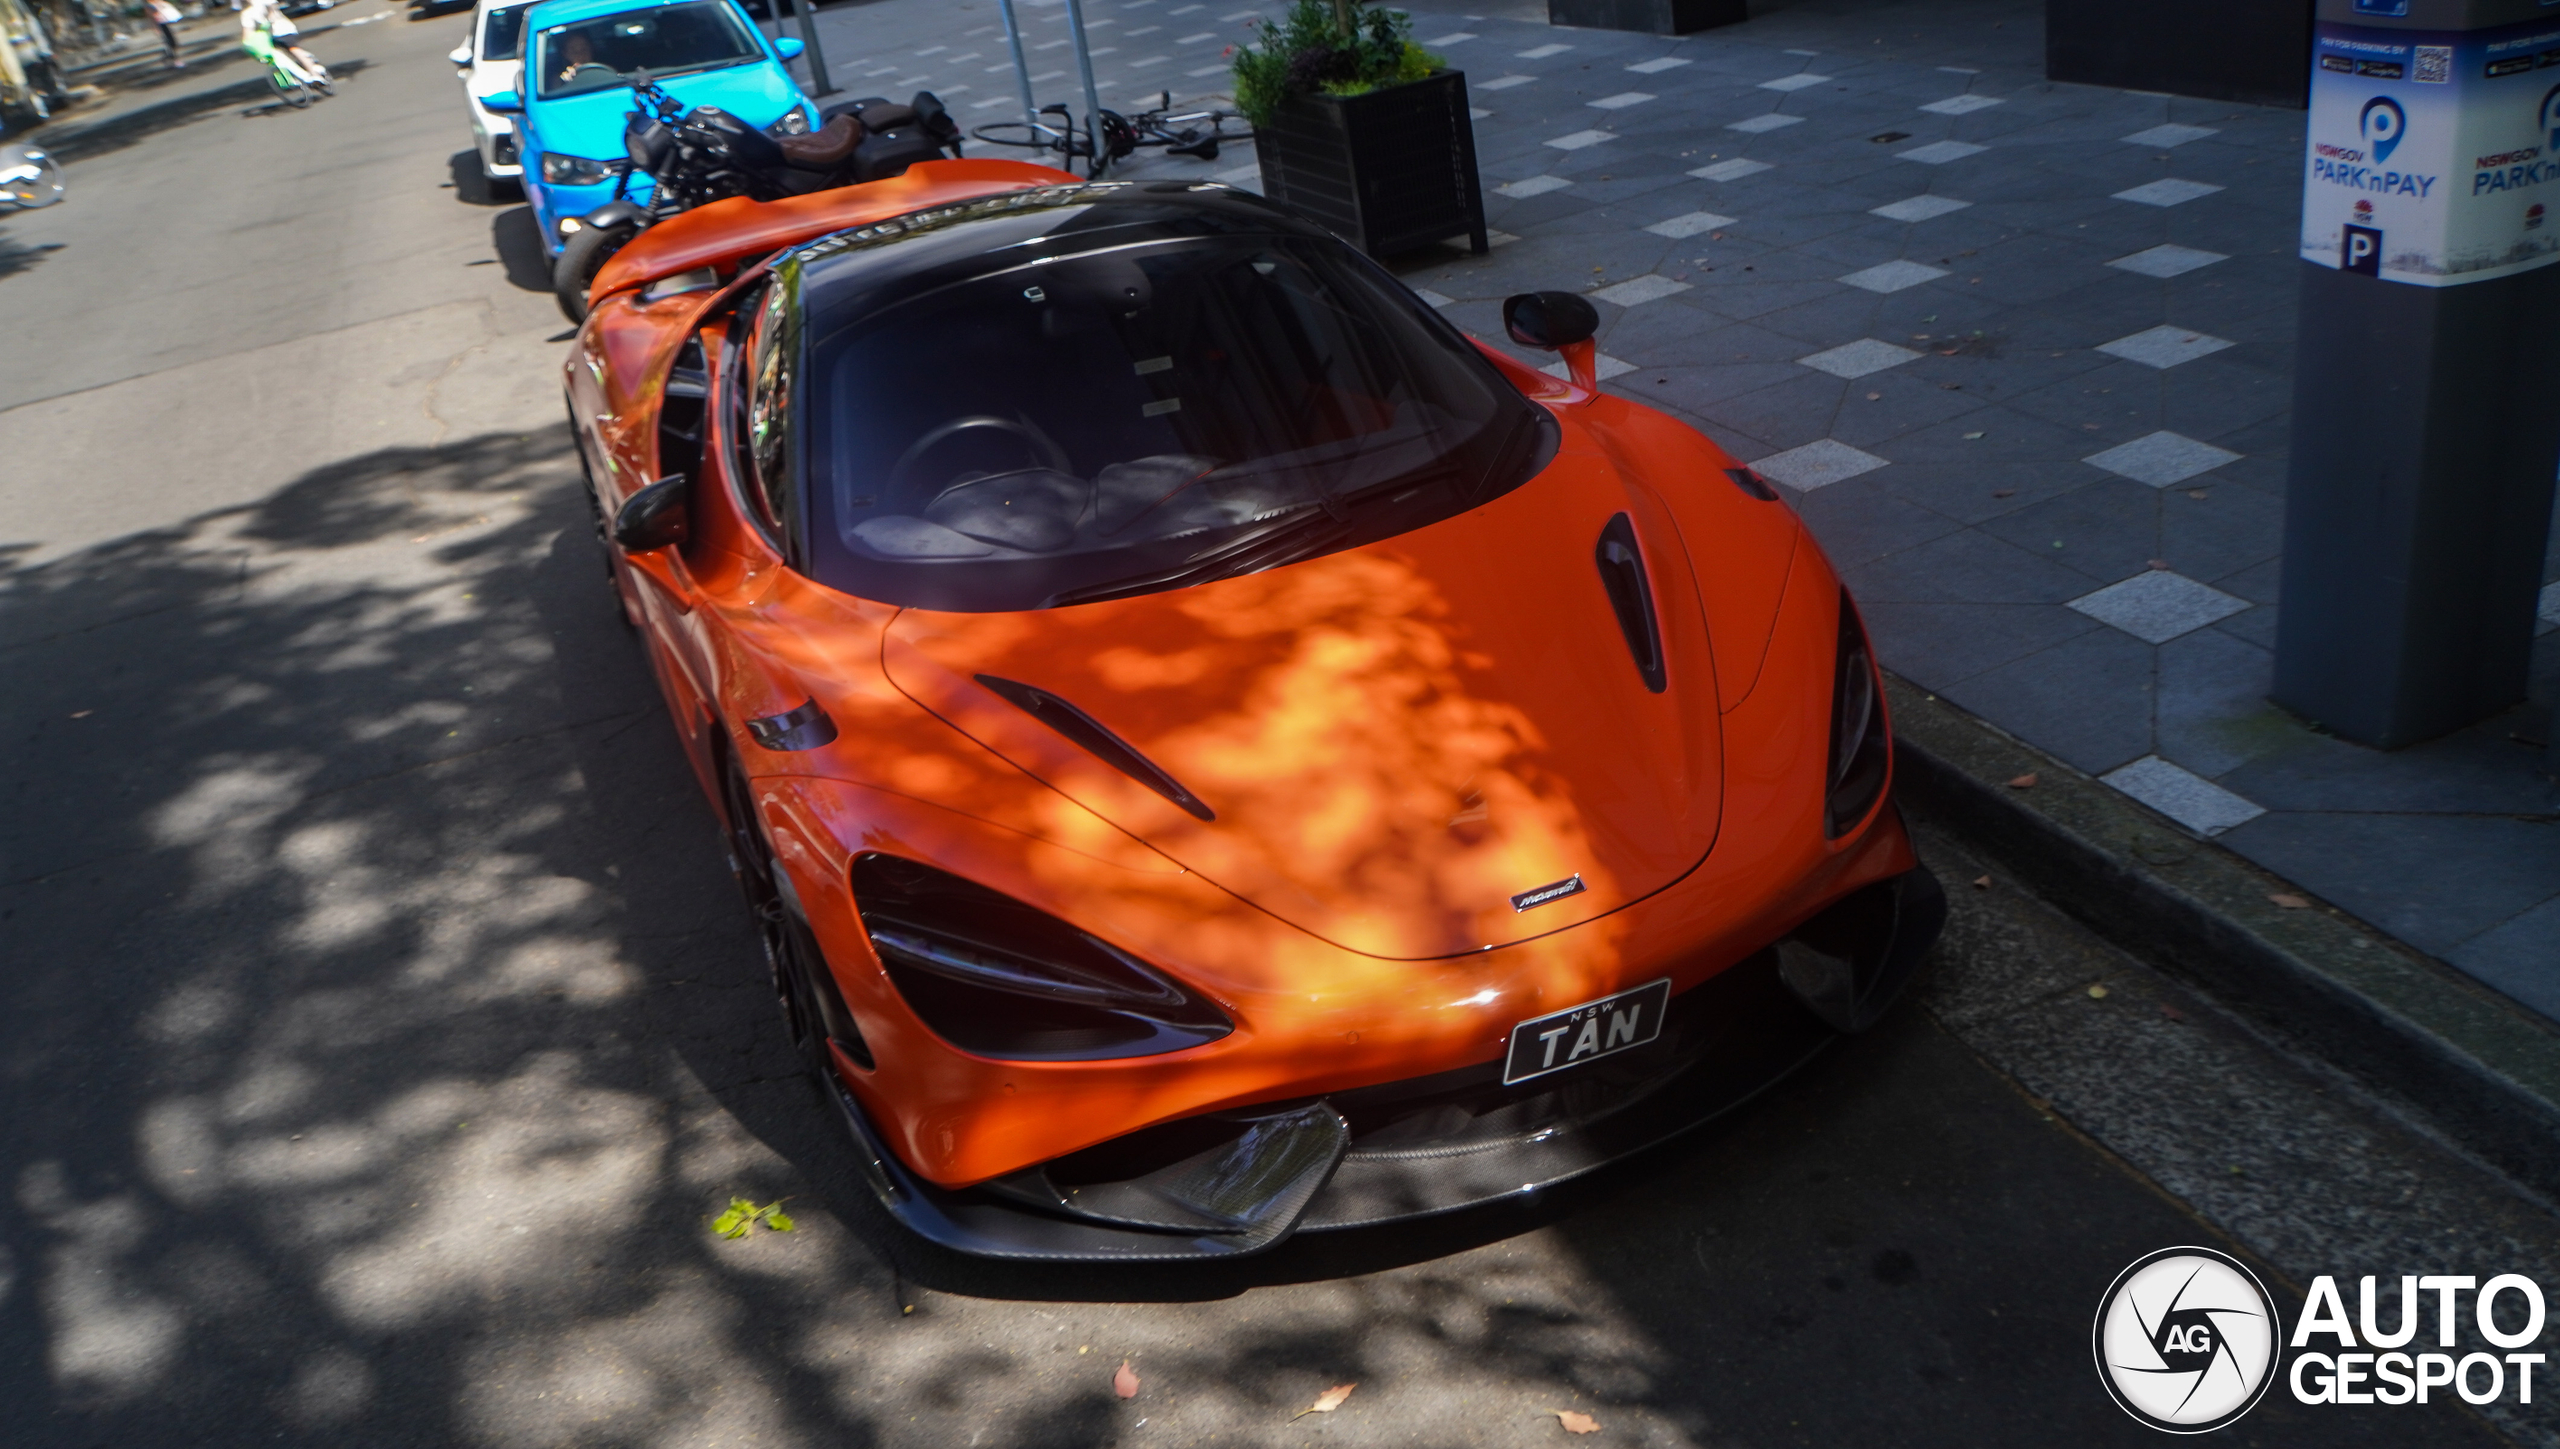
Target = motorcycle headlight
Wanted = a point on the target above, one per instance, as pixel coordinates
(562, 170)
(793, 123)
(994, 977)
(1859, 748)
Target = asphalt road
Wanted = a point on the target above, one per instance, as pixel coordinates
(380, 1027)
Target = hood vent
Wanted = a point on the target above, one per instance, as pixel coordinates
(1622, 573)
(1089, 735)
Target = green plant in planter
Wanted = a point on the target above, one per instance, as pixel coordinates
(1327, 47)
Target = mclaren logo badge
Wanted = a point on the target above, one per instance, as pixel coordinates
(1529, 900)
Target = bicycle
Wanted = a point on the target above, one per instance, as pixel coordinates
(292, 85)
(1177, 133)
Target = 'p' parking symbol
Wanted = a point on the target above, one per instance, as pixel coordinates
(2361, 250)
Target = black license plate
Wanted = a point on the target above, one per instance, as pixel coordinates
(1588, 1032)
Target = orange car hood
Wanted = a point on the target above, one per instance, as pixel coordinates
(1396, 739)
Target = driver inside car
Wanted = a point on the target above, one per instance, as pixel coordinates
(575, 51)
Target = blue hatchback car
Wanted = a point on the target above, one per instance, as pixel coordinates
(579, 58)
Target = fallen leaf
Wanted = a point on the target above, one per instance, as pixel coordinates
(1577, 1423)
(2290, 902)
(2004, 492)
(1328, 1401)
(1873, 396)
(82, 713)
(1969, 437)
(1125, 1381)
(1982, 883)
(2160, 564)
(2198, 493)
(2097, 993)
(2171, 1012)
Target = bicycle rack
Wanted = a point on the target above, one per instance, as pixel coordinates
(1084, 69)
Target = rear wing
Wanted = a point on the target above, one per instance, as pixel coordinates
(726, 235)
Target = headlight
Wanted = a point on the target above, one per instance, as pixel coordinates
(562, 170)
(995, 977)
(1859, 749)
(793, 123)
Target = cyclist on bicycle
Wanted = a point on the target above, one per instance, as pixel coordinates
(269, 34)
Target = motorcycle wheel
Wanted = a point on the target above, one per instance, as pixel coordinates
(584, 256)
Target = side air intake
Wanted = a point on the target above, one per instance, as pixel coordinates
(1622, 574)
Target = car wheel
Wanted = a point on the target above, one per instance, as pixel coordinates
(812, 1011)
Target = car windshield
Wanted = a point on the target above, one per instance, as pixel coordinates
(502, 33)
(603, 52)
(1140, 417)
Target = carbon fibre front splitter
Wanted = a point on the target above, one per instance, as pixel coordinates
(1444, 1143)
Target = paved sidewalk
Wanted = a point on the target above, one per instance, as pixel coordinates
(2021, 353)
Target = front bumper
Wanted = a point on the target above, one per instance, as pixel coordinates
(1234, 1183)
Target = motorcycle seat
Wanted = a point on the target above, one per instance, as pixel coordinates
(825, 148)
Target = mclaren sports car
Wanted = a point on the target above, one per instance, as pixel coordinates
(1216, 752)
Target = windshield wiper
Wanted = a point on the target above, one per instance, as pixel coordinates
(1303, 535)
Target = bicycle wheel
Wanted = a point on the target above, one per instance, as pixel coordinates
(1018, 133)
(292, 92)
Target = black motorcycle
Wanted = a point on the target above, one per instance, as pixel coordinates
(706, 154)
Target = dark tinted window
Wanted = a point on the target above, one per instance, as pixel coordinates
(593, 55)
(502, 33)
(1141, 415)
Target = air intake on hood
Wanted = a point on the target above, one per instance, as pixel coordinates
(1622, 572)
(1089, 734)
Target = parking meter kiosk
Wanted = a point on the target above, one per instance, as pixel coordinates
(2426, 417)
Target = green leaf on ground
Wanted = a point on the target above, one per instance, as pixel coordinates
(743, 1214)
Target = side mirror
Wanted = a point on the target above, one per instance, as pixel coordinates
(789, 47)
(505, 103)
(1549, 320)
(461, 55)
(656, 517)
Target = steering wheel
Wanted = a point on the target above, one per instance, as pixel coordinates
(584, 66)
(1048, 452)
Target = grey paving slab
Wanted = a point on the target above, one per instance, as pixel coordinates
(2168, 260)
(2161, 458)
(1817, 464)
(2088, 697)
(1893, 276)
(2436, 881)
(2516, 957)
(2223, 535)
(1923, 207)
(1859, 358)
(2211, 711)
(2105, 529)
(1859, 518)
(2165, 347)
(2184, 796)
(1939, 153)
(1732, 170)
(2158, 605)
(2170, 133)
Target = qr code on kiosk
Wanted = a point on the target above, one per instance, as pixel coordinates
(2434, 64)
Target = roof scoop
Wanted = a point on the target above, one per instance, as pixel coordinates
(1088, 734)
(1631, 597)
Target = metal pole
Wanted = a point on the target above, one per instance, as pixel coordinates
(1092, 100)
(819, 83)
(1021, 62)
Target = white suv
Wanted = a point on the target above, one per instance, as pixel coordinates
(492, 60)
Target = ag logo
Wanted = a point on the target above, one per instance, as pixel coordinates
(2384, 123)
(2186, 1340)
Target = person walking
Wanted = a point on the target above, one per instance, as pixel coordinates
(166, 16)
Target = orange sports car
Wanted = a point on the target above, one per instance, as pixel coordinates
(1215, 752)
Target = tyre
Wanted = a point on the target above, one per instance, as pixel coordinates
(813, 1010)
(293, 93)
(588, 250)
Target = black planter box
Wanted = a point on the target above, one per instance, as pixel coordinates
(1653, 17)
(1388, 171)
(2258, 52)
